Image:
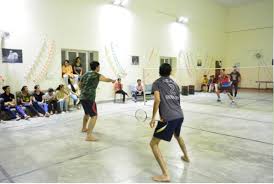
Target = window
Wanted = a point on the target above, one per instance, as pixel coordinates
(170, 60)
(85, 56)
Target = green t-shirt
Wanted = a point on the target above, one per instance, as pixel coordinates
(89, 83)
(26, 98)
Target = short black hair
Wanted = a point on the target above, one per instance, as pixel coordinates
(94, 65)
(139, 80)
(36, 86)
(119, 79)
(223, 70)
(50, 90)
(5, 87)
(165, 70)
(23, 88)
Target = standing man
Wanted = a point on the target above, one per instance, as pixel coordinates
(167, 100)
(235, 78)
(88, 84)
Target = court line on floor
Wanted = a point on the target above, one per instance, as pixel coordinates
(222, 134)
(227, 116)
(51, 120)
(228, 135)
(6, 174)
(238, 106)
(228, 107)
(61, 162)
(57, 163)
(223, 115)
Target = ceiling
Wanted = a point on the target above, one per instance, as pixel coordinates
(235, 3)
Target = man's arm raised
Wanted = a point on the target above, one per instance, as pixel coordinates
(105, 79)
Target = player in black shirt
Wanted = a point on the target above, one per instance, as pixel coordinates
(235, 78)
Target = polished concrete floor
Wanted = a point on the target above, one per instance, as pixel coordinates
(225, 143)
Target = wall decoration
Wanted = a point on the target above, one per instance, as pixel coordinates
(2, 80)
(113, 54)
(135, 60)
(199, 62)
(12, 56)
(237, 65)
(38, 70)
(218, 64)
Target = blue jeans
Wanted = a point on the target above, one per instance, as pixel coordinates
(44, 106)
(74, 97)
(63, 105)
(34, 108)
(12, 113)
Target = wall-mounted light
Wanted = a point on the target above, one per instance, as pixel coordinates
(182, 20)
(119, 2)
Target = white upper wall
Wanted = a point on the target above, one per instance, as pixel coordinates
(249, 31)
(93, 24)
(250, 16)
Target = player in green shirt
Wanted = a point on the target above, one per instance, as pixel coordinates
(88, 84)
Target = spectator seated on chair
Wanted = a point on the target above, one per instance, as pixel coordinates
(204, 83)
(38, 97)
(50, 99)
(27, 101)
(118, 88)
(139, 90)
(67, 73)
(9, 106)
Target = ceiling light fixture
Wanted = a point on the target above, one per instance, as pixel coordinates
(119, 2)
(182, 20)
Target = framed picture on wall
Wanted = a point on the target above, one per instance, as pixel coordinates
(135, 60)
(218, 64)
(12, 56)
(199, 62)
(237, 65)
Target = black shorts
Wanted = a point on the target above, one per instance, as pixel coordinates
(165, 130)
(89, 107)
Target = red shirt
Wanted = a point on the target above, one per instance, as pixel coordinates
(224, 79)
(118, 86)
